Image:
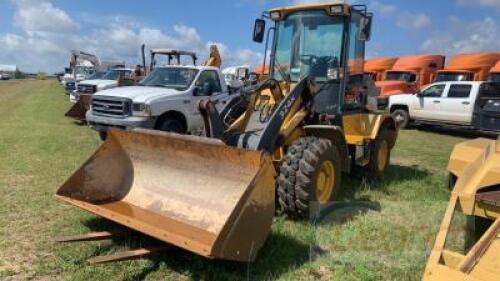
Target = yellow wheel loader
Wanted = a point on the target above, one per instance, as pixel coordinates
(467, 246)
(302, 128)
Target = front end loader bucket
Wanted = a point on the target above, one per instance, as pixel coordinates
(78, 110)
(192, 192)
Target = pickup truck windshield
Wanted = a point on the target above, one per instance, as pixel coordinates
(306, 42)
(84, 70)
(114, 74)
(170, 77)
(453, 76)
(97, 75)
(401, 76)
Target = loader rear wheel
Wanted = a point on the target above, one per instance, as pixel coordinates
(380, 155)
(309, 178)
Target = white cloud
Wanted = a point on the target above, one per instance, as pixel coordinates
(481, 3)
(381, 8)
(46, 34)
(411, 21)
(461, 36)
(41, 16)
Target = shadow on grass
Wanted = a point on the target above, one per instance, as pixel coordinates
(395, 174)
(279, 254)
(454, 131)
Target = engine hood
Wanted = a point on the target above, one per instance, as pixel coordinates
(101, 84)
(389, 88)
(140, 93)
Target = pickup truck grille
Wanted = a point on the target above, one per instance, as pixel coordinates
(112, 107)
(86, 89)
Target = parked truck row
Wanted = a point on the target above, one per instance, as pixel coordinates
(423, 89)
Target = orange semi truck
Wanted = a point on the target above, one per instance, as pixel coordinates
(409, 74)
(468, 67)
(378, 66)
(495, 73)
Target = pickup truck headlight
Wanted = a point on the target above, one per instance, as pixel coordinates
(140, 109)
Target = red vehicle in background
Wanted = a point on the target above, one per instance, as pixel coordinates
(409, 74)
(468, 67)
(378, 66)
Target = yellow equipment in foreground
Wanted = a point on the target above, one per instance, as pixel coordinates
(468, 244)
(303, 127)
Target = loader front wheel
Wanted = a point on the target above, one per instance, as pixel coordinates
(309, 177)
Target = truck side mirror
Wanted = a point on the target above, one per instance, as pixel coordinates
(259, 30)
(208, 90)
(365, 29)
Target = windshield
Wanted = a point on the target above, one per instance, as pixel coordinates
(171, 77)
(453, 76)
(495, 77)
(401, 76)
(97, 75)
(115, 74)
(306, 43)
(84, 70)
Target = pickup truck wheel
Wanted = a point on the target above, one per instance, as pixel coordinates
(402, 117)
(171, 125)
(103, 135)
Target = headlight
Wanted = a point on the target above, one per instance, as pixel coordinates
(140, 109)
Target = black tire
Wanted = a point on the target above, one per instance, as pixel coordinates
(172, 125)
(299, 173)
(475, 228)
(103, 135)
(377, 166)
(402, 118)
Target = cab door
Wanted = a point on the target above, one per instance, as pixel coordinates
(457, 106)
(427, 106)
(207, 86)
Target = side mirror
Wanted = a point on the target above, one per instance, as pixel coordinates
(197, 91)
(242, 73)
(207, 89)
(365, 29)
(259, 30)
(419, 94)
(253, 78)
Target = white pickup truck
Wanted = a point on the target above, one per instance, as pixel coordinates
(108, 81)
(167, 99)
(475, 105)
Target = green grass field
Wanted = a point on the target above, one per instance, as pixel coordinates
(384, 233)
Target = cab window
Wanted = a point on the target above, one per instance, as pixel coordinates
(435, 91)
(211, 78)
(459, 91)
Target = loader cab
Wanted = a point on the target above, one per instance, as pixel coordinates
(325, 42)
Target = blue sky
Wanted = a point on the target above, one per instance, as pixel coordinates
(38, 34)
